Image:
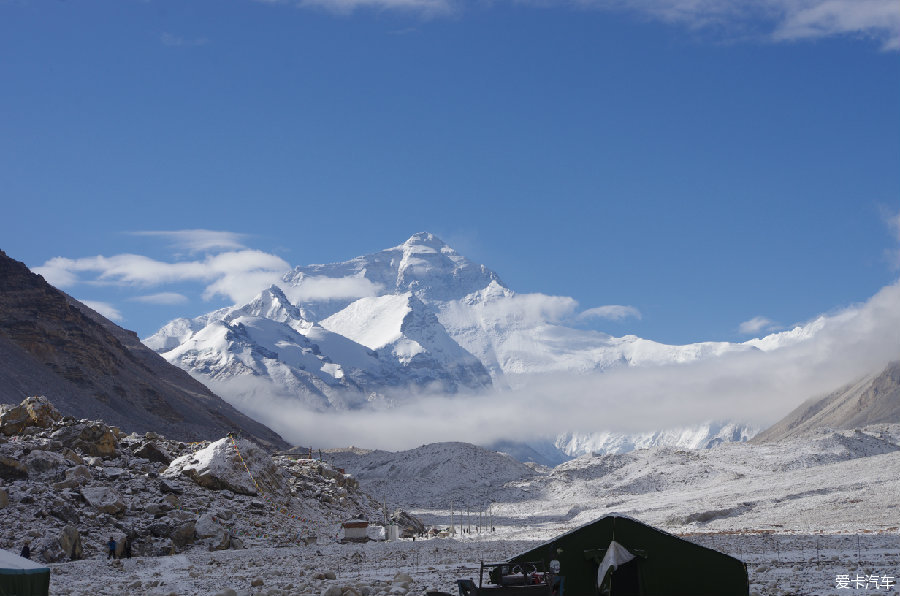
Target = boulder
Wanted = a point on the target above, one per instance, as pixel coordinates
(212, 532)
(245, 470)
(79, 474)
(153, 452)
(45, 464)
(332, 590)
(11, 469)
(70, 542)
(33, 411)
(103, 499)
(183, 534)
(92, 437)
(64, 512)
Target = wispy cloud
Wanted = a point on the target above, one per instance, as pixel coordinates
(423, 7)
(756, 325)
(773, 20)
(176, 41)
(893, 222)
(776, 20)
(104, 308)
(323, 288)
(199, 240)
(238, 275)
(611, 312)
(166, 298)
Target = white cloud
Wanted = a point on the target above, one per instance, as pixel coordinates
(755, 386)
(612, 312)
(324, 288)
(757, 324)
(162, 298)
(803, 19)
(424, 7)
(527, 309)
(775, 20)
(780, 20)
(238, 275)
(199, 240)
(104, 308)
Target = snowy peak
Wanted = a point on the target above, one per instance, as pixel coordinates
(424, 265)
(272, 304)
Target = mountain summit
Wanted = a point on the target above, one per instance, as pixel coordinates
(417, 317)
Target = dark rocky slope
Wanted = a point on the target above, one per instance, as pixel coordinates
(874, 399)
(52, 345)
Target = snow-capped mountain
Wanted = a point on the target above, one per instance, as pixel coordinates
(703, 436)
(418, 317)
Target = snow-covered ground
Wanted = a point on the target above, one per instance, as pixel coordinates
(801, 564)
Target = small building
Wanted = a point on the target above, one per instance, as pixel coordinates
(618, 555)
(22, 576)
(355, 530)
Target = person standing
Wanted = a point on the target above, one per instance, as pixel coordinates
(26, 552)
(112, 548)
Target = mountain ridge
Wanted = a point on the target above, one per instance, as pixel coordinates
(53, 345)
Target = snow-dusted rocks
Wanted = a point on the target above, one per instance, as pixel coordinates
(33, 411)
(239, 466)
(103, 499)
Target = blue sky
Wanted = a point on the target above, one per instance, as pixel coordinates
(706, 164)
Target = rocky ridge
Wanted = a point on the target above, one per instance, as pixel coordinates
(67, 485)
(53, 345)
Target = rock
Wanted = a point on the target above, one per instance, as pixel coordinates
(256, 582)
(103, 499)
(33, 411)
(332, 590)
(45, 464)
(92, 437)
(410, 525)
(169, 487)
(4, 498)
(70, 542)
(183, 535)
(65, 512)
(72, 457)
(330, 575)
(80, 474)
(219, 467)
(227, 592)
(216, 536)
(402, 577)
(153, 452)
(11, 469)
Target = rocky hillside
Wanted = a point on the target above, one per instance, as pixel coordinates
(52, 345)
(434, 475)
(68, 485)
(874, 399)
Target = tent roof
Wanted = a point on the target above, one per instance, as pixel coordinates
(13, 563)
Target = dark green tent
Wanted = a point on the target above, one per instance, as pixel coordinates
(22, 577)
(638, 560)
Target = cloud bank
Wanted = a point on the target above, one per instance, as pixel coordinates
(756, 386)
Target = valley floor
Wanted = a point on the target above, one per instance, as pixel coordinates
(802, 564)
